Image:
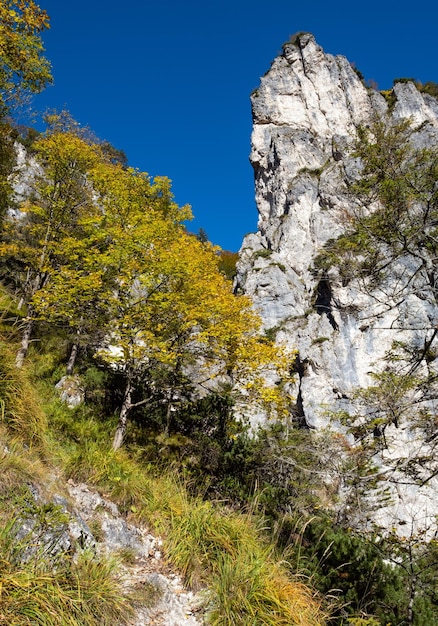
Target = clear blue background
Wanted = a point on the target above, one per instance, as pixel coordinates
(169, 82)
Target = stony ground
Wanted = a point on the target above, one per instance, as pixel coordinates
(98, 522)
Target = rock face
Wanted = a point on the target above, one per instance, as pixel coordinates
(306, 112)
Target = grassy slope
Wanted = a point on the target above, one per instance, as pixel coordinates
(209, 545)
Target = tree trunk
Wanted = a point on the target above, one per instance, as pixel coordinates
(413, 587)
(168, 417)
(411, 603)
(119, 435)
(74, 350)
(72, 359)
(39, 282)
(25, 341)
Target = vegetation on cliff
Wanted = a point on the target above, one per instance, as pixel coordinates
(105, 291)
(388, 250)
(101, 278)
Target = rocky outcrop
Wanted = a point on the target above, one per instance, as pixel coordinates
(306, 112)
(174, 605)
(81, 519)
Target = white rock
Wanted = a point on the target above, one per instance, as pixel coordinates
(305, 113)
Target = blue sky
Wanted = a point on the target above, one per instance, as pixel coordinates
(169, 81)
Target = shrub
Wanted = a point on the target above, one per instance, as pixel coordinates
(227, 263)
(346, 565)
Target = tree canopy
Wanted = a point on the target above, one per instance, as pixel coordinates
(101, 251)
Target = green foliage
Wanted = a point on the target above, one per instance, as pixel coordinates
(271, 333)
(320, 340)
(27, 136)
(203, 541)
(430, 87)
(114, 155)
(103, 259)
(281, 266)
(100, 251)
(103, 254)
(199, 437)
(63, 123)
(21, 413)
(277, 469)
(349, 566)
(295, 39)
(377, 579)
(202, 236)
(226, 551)
(264, 253)
(389, 248)
(394, 207)
(7, 162)
(390, 97)
(170, 307)
(415, 557)
(358, 73)
(248, 584)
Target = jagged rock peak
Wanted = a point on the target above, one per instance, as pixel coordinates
(304, 87)
(306, 112)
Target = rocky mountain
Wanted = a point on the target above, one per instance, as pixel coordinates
(306, 113)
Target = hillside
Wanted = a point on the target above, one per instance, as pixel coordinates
(177, 448)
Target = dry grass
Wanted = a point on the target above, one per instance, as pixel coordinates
(249, 586)
(20, 407)
(211, 547)
(81, 592)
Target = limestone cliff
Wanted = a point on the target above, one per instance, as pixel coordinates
(306, 112)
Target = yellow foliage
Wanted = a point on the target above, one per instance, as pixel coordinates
(22, 64)
(105, 251)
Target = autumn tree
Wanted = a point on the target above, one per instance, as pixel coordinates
(175, 322)
(23, 67)
(227, 263)
(75, 296)
(102, 250)
(37, 242)
(182, 326)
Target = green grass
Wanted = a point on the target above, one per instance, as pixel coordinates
(212, 547)
(249, 585)
(20, 408)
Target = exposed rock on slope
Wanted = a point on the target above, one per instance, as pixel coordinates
(175, 606)
(86, 520)
(306, 112)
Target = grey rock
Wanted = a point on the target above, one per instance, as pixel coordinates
(305, 114)
(71, 390)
